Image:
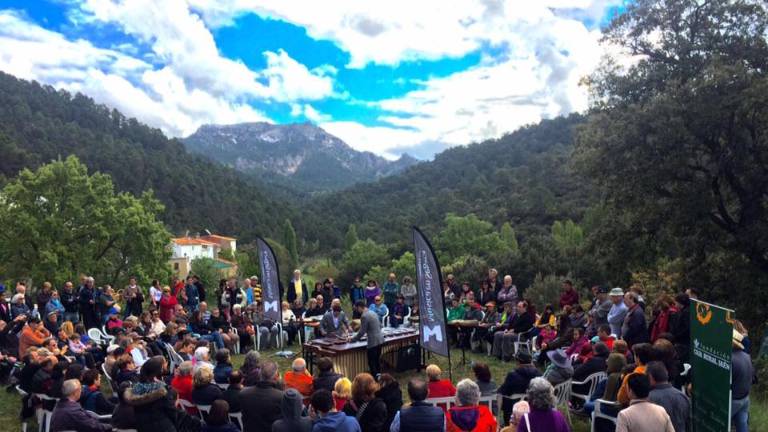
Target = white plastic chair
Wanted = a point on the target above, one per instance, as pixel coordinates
(590, 383)
(95, 335)
(101, 417)
(44, 415)
(223, 386)
(187, 405)
(522, 339)
(203, 411)
(23, 394)
(237, 341)
(563, 395)
(599, 412)
(237, 419)
(447, 402)
(385, 319)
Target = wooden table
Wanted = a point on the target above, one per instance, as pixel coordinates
(350, 358)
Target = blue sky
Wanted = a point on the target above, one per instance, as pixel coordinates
(387, 77)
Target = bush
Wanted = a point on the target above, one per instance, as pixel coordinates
(467, 268)
(546, 290)
(761, 374)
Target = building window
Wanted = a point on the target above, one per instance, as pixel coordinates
(176, 266)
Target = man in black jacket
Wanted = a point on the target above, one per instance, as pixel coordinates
(261, 403)
(516, 382)
(71, 303)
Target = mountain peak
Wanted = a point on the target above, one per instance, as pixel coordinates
(302, 152)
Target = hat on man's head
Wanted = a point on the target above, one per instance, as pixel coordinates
(112, 348)
(602, 289)
(559, 358)
(617, 292)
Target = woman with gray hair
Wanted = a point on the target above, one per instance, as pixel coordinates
(543, 416)
(467, 415)
(251, 368)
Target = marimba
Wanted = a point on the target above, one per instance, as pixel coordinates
(350, 358)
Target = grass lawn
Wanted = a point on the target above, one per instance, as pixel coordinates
(10, 402)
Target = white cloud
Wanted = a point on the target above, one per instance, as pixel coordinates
(290, 80)
(542, 51)
(309, 112)
(160, 98)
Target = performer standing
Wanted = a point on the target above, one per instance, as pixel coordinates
(334, 322)
(370, 327)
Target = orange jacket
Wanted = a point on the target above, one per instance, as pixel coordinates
(623, 396)
(485, 421)
(301, 381)
(30, 338)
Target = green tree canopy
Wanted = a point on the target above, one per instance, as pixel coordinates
(59, 222)
(289, 241)
(363, 255)
(467, 235)
(350, 238)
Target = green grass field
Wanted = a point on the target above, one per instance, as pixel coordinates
(10, 402)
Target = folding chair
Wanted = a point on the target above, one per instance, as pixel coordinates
(600, 412)
(590, 383)
(563, 395)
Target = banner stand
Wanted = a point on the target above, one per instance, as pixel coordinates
(433, 335)
(271, 295)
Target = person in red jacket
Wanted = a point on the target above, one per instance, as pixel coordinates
(168, 303)
(569, 296)
(438, 387)
(182, 383)
(467, 415)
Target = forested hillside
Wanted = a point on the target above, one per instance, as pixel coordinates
(523, 178)
(39, 124)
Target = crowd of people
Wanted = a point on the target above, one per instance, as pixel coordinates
(167, 357)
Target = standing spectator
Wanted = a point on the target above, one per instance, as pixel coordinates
(167, 304)
(19, 306)
(467, 415)
(156, 293)
(569, 296)
(356, 290)
(742, 374)
(44, 295)
(439, 387)
(544, 415)
(618, 311)
(370, 411)
(297, 289)
(634, 330)
(453, 287)
(391, 290)
(292, 420)
(261, 403)
(69, 415)
(70, 301)
(200, 288)
(409, 292)
(680, 326)
(328, 419)
(664, 310)
(298, 378)
(674, 402)
(516, 382)
(642, 415)
(419, 416)
(371, 328)
(643, 353)
(133, 298)
(486, 294)
(192, 296)
(256, 288)
(371, 291)
(508, 291)
(54, 306)
(389, 391)
(600, 309)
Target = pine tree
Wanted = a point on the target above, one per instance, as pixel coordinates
(289, 240)
(509, 237)
(351, 237)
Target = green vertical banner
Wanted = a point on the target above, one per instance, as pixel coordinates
(711, 339)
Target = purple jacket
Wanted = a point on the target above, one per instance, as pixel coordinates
(70, 415)
(370, 294)
(544, 420)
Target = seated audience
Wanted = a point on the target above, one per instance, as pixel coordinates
(643, 353)
(419, 416)
(642, 415)
(299, 378)
(467, 415)
(326, 378)
(69, 415)
(544, 415)
(439, 387)
(389, 391)
(327, 418)
(232, 393)
(483, 379)
(204, 390)
(342, 392)
(123, 416)
(560, 369)
(92, 399)
(291, 409)
(517, 381)
(370, 411)
(218, 419)
(223, 366)
(260, 404)
(182, 382)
